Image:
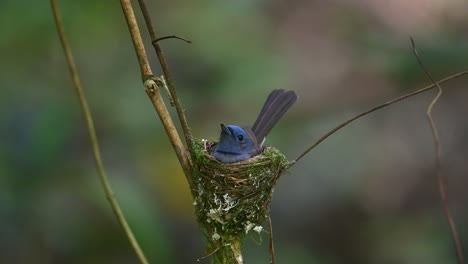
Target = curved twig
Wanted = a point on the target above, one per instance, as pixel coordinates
(440, 176)
(340, 126)
(93, 137)
(170, 37)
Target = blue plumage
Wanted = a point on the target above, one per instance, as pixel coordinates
(238, 144)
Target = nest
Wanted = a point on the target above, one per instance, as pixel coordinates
(232, 199)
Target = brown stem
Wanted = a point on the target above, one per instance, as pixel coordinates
(153, 92)
(93, 137)
(272, 245)
(440, 176)
(340, 126)
(167, 74)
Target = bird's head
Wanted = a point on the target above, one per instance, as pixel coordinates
(235, 140)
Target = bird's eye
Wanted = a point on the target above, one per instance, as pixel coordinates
(240, 137)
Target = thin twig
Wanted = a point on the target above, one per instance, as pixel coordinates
(167, 74)
(271, 245)
(153, 92)
(93, 137)
(171, 37)
(340, 126)
(209, 254)
(440, 176)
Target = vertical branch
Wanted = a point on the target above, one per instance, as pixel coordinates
(140, 51)
(153, 91)
(93, 137)
(165, 69)
(271, 246)
(237, 252)
(440, 176)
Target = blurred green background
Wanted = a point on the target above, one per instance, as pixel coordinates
(366, 195)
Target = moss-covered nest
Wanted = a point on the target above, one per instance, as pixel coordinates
(232, 199)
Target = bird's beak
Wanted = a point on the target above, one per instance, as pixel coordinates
(225, 130)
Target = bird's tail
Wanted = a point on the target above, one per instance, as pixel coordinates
(277, 103)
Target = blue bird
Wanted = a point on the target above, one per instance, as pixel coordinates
(241, 143)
